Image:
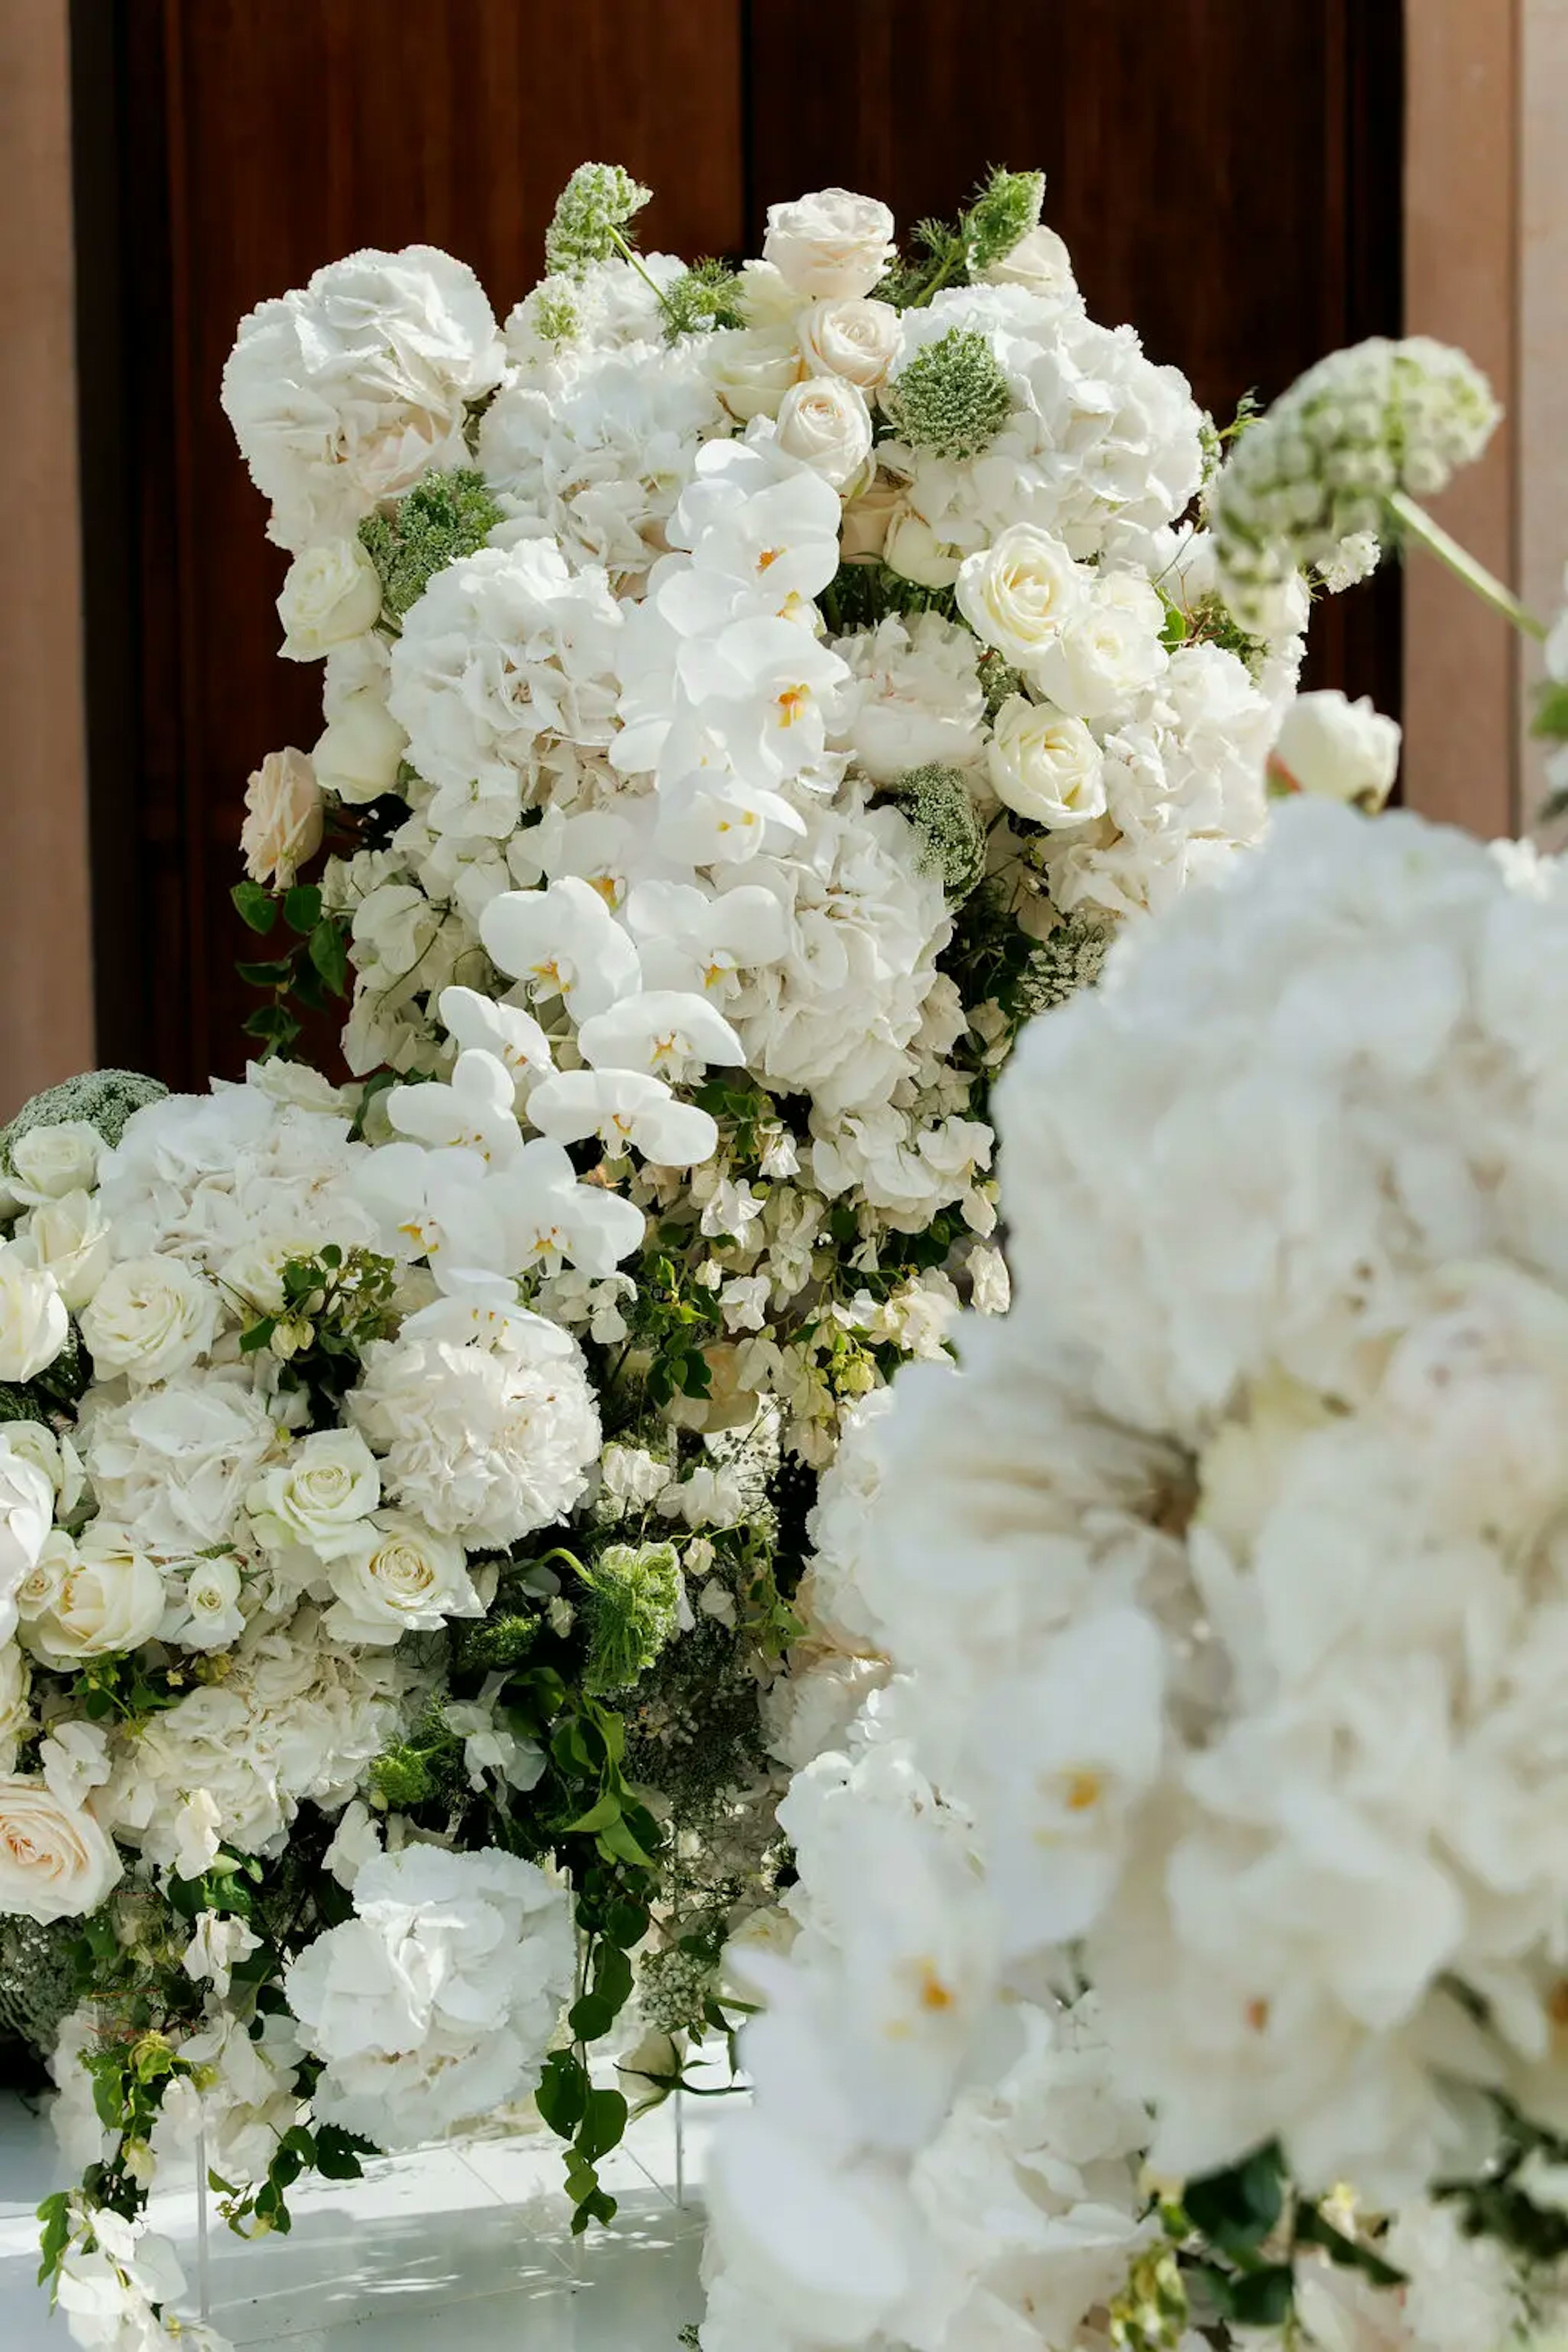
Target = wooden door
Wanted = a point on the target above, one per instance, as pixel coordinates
(1226, 173)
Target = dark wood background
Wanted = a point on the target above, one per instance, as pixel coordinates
(1225, 172)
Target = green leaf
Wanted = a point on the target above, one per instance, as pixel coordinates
(597, 1816)
(1236, 2209)
(597, 2206)
(611, 1975)
(256, 908)
(339, 2153)
(272, 1023)
(329, 954)
(302, 907)
(618, 1844)
(257, 1335)
(603, 2124)
(1312, 2230)
(625, 1922)
(1263, 2298)
(272, 974)
(1550, 718)
(563, 2092)
(55, 2215)
(590, 2017)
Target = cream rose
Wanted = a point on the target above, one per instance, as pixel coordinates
(283, 818)
(752, 368)
(857, 340)
(1045, 765)
(397, 1576)
(1020, 592)
(33, 1325)
(826, 423)
(55, 1863)
(48, 1161)
(213, 1616)
(1110, 652)
(1342, 750)
(70, 1240)
(332, 592)
(914, 551)
(1040, 262)
(320, 1497)
(150, 1317)
(866, 519)
(15, 1714)
(27, 1521)
(358, 752)
(110, 1597)
(832, 244)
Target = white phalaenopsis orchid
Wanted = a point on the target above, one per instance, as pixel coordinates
(478, 1024)
(627, 1110)
(473, 1111)
(667, 1031)
(695, 942)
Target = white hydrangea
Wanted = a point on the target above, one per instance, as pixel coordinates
(437, 2001)
(918, 700)
(487, 1438)
(172, 1463)
(343, 393)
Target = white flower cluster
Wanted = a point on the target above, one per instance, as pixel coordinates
(1223, 1585)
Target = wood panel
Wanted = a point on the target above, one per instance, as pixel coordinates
(258, 141)
(1226, 173)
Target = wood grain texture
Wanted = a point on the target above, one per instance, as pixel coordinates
(1225, 173)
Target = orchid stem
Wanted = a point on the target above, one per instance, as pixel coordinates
(1416, 524)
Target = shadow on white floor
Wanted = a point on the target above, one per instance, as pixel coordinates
(449, 2247)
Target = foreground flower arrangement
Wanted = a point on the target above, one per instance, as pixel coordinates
(748, 698)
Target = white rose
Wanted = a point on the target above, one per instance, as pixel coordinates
(832, 244)
(69, 1239)
(149, 1317)
(33, 1325)
(1342, 750)
(1110, 652)
(1020, 592)
(283, 818)
(1046, 765)
(766, 297)
(826, 423)
(1040, 260)
(56, 1458)
(856, 339)
(37, 1591)
(27, 1521)
(48, 1161)
(358, 753)
(54, 1863)
(16, 1716)
(212, 1616)
(752, 368)
(867, 520)
(914, 551)
(320, 1497)
(109, 1598)
(332, 592)
(397, 1576)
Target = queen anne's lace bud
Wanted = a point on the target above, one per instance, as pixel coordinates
(597, 201)
(953, 397)
(1322, 466)
(937, 802)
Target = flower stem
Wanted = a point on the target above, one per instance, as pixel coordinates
(629, 252)
(1416, 524)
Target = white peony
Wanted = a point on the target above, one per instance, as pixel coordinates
(56, 1861)
(151, 1317)
(439, 2000)
(1342, 750)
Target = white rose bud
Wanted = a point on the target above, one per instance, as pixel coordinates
(397, 1576)
(283, 818)
(69, 1239)
(49, 1162)
(856, 339)
(914, 551)
(151, 1317)
(332, 592)
(1341, 750)
(1110, 652)
(358, 752)
(752, 368)
(320, 1498)
(55, 1863)
(832, 244)
(33, 1325)
(109, 1598)
(1019, 593)
(1045, 765)
(826, 423)
(1039, 261)
(212, 1605)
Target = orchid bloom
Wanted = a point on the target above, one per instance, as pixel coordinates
(667, 1031)
(628, 1109)
(563, 941)
(473, 1111)
(478, 1024)
(692, 942)
(549, 1218)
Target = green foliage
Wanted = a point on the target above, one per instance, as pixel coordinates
(313, 959)
(501, 1640)
(1003, 209)
(706, 297)
(444, 517)
(335, 1304)
(426, 1766)
(953, 398)
(861, 595)
(1551, 719)
(104, 1098)
(937, 802)
(635, 1592)
(591, 214)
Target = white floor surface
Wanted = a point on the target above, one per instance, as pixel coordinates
(451, 2247)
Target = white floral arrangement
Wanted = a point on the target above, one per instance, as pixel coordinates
(1177, 1954)
(748, 696)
